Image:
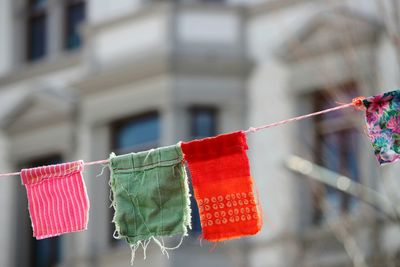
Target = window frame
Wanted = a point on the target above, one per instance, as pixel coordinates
(196, 225)
(198, 108)
(32, 14)
(30, 242)
(320, 192)
(67, 5)
(115, 127)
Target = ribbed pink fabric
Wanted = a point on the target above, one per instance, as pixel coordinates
(57, 198)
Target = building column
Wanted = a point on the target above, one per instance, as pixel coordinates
(8, 205)
(100, 227)
(93, 144)
(172, 122)
(270, 100)
(6, 34)
(56, 28)
(78, 249)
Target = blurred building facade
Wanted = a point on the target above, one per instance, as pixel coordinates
(79, 79)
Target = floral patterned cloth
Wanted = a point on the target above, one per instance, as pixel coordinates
(383, 122)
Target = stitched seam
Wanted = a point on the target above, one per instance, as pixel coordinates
(182, 193)
(172, 161)
(133, 202)
(158, 233)
(159, 195)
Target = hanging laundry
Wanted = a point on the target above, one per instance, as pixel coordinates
(150, 196)
(57, 198)
(223, 187)
(383, 124)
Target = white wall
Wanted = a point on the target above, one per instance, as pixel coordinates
(247, 2)
(6, 37)
(103, 10)
(266, 33)
(7, 205)
(131, 39)
(388, 66)
(208, 27)
(270, 101)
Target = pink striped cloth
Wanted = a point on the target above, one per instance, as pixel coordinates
(57, 198)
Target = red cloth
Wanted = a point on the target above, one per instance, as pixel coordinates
(222, 186)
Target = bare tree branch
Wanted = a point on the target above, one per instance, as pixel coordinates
(343, 184)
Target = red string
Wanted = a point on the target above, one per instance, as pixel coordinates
(356, 103)
(104, 161)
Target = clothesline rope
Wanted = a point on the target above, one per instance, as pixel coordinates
(256, 129)
(103, 161)
(356, 102)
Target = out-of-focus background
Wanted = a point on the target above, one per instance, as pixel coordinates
(79, 79)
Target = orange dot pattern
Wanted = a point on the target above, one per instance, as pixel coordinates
(227, 209)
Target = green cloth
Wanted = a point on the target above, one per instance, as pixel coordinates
(150, 194)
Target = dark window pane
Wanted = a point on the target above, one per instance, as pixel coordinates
(196, 225)
(46, 252)
(36, 37)
(336, 148)
(331, 157)
(35, 5)
(31, 252)
(134, 135)
(75, 14)
(203, 121)
(142, 132)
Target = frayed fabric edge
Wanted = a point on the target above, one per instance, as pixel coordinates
(187, 223)
(187, 219)
(160, 242)
(187, 215)
(112, 200)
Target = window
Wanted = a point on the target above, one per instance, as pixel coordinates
(134, 134)
(29, 251)
(74, 16)
(203, 124)
(336, 149)
(137, 133)
(36, 30)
